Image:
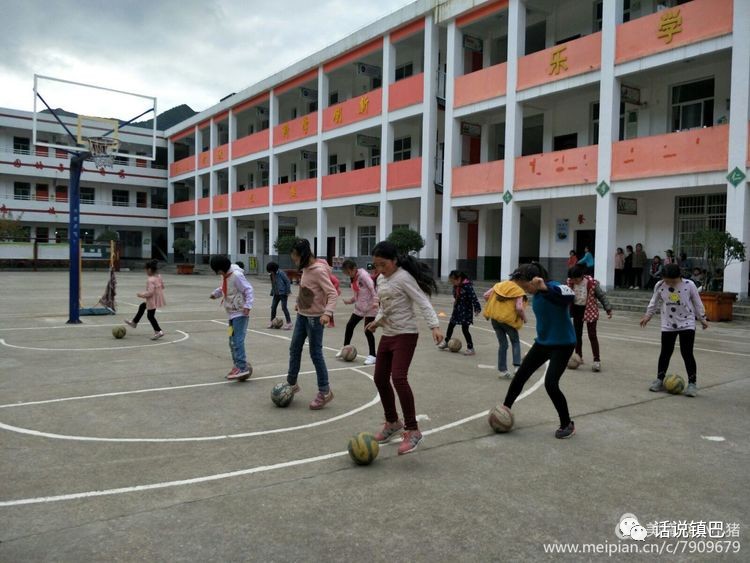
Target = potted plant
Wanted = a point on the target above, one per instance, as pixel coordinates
(406, 240)
(183, 247)
(720, 249)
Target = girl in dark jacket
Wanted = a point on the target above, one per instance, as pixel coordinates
(465, 306)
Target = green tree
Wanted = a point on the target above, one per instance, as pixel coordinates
(183, 247)
(406, 240)
(720, 249)
(284, 244)
(11, 228)
(108, 235)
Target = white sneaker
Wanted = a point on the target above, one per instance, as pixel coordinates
(504, 375)
(340, 354)
(157, 335)
(369, 360)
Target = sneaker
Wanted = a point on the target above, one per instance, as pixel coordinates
(240, 374)
(370, 360)
(157, 335)
(269, 325)
(340, 354)
(692, 390)
(412, 438)
(657, 385)
(443, 345)
(566, 432)
(504, 375)
(287, 326)
(632, 287)
(321, 400)
(296, 389)
(596, 366)
(389, 430)
(131, 324)
(469, 352)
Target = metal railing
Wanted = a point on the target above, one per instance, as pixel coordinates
(84, 201)
(63, 155)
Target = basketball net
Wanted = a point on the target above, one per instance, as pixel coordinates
(103, 150)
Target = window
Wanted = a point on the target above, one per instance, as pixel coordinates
(243, 246)
(124, 160)
(402, 149)
(283, 180)
(374, 156)
(42, 234)
(61, 234)
(21, 145)
(342, 241)
(87, 236)
(312, 106)
(120, 198)
(404, 71)
(293, 171)
(693, 105)
(367, 240)
(632, 125)
(626, 12)
(22, 190)
(293, 114)
(263, 178)
(61, 193)
(42, 192)
(376, 83)
(88, 195)
(251, 242)
(563, 142)
(695, 213)
(265, 242)
(333, 167)
(333, 98)
(312, 168)
(141, 199)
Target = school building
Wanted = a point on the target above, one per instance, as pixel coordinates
(130, 198)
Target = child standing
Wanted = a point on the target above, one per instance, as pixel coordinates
(316, 303)
(586, 309)
(505, 309)
(237, 298)
(572, 259)
(365, 306)
(639, 263)
(555, 340)
(465, 306)
(681, 306)
(154, 296)
(281, 288)
(403, 282)
(619, 267)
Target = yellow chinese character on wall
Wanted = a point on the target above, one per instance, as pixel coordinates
(221, 153)
(364, 104)
(305, 125)
(670, 23)
(558, 61)
(285, 130)
(252, 197)
(337, 115)
(293, 192)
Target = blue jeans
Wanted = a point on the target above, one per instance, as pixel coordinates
(504, 333)
(237, 341)
(304, 328)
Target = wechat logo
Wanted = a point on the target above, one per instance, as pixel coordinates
(629, 527)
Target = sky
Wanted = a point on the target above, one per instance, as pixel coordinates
(191, 52)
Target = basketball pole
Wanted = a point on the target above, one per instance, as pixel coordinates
(74, 229)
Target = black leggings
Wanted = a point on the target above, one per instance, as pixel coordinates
(151, 316)
(275, 303)
(687, 340)
(464, 329)
(558, 357)
(351, 325)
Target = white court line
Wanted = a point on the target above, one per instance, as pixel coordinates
(185, 336)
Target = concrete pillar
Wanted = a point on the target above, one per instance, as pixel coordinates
(386, 137)
(170, 241)
(321, 217)
(272, 167)
(232, 238)
(213, 236)
(609, 122)
(429, 142)
(738, 199)
(199, 250)
(513, 137)
(482, 241)
(386, 220)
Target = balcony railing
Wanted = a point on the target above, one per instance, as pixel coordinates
(404, 174)
(684, 152)
(674, 27)
(182, 166)
(406, 92)
(49, 199)
(220, 203)
(477, 179)
(46, 152)
(293, 192)
(365, 106)
(481, 85)
(182, 209)
(204, 206)
(247, 199)
(204, 159)
(356, 182)
(251, 144)
(559, 168)
(221, 153)
(561, 61)
(296, 129)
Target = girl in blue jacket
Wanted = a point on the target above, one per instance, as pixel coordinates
(281, 287)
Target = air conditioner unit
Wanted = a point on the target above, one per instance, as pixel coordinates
(309, 94)
(309, 155)
(261, 111)
(262, 165)
(363, 69)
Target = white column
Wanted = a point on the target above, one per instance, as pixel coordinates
(273, 108)
(482, 229)
(484, 143)
(386, 220)
(738, 199)
(429, 138)
(609, 122)
(273, 229)
(198, 227)
(513, 137)
(386, 137)
(232, 238)
(321, 217)
(454, 67)
(170, 152)
(170, 238)
(213, 236)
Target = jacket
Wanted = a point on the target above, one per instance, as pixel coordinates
(280, 284)
(154, 294)
(365, 299)
(466, 303)
(398, 294)
(317, 294)
(594, 292)
(239, 292)
(501, 304)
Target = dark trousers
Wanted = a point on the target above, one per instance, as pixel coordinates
(687, 340)
(577, 311)
(275, 303)
(352, 324)
(392, 363)
(619, 276)
(558, 357)
(637, 280)
(151, 316)
(464, 329)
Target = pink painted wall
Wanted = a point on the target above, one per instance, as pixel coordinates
(481, 85)
(182, 209)
(304, 190)
(696, 150)
(221, 154)
(221, 203)
(257, 197)
(251, 143)
(582, 55)
(356, 182)
(701, 19)
(404, 174)
(182, 166)
(406, 92)
(204, 159)
(558, 168)
(351, 111)
(474, 179)
(204, 205)
(295, 129)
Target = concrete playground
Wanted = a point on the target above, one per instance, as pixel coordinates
(133, 450)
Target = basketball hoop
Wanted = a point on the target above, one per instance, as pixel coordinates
(103, 150)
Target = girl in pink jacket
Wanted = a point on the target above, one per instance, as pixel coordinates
(365, 306)
(154, 296)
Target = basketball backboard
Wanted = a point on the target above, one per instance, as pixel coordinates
(67, 113)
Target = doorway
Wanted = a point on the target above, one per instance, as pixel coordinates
(583, 239)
